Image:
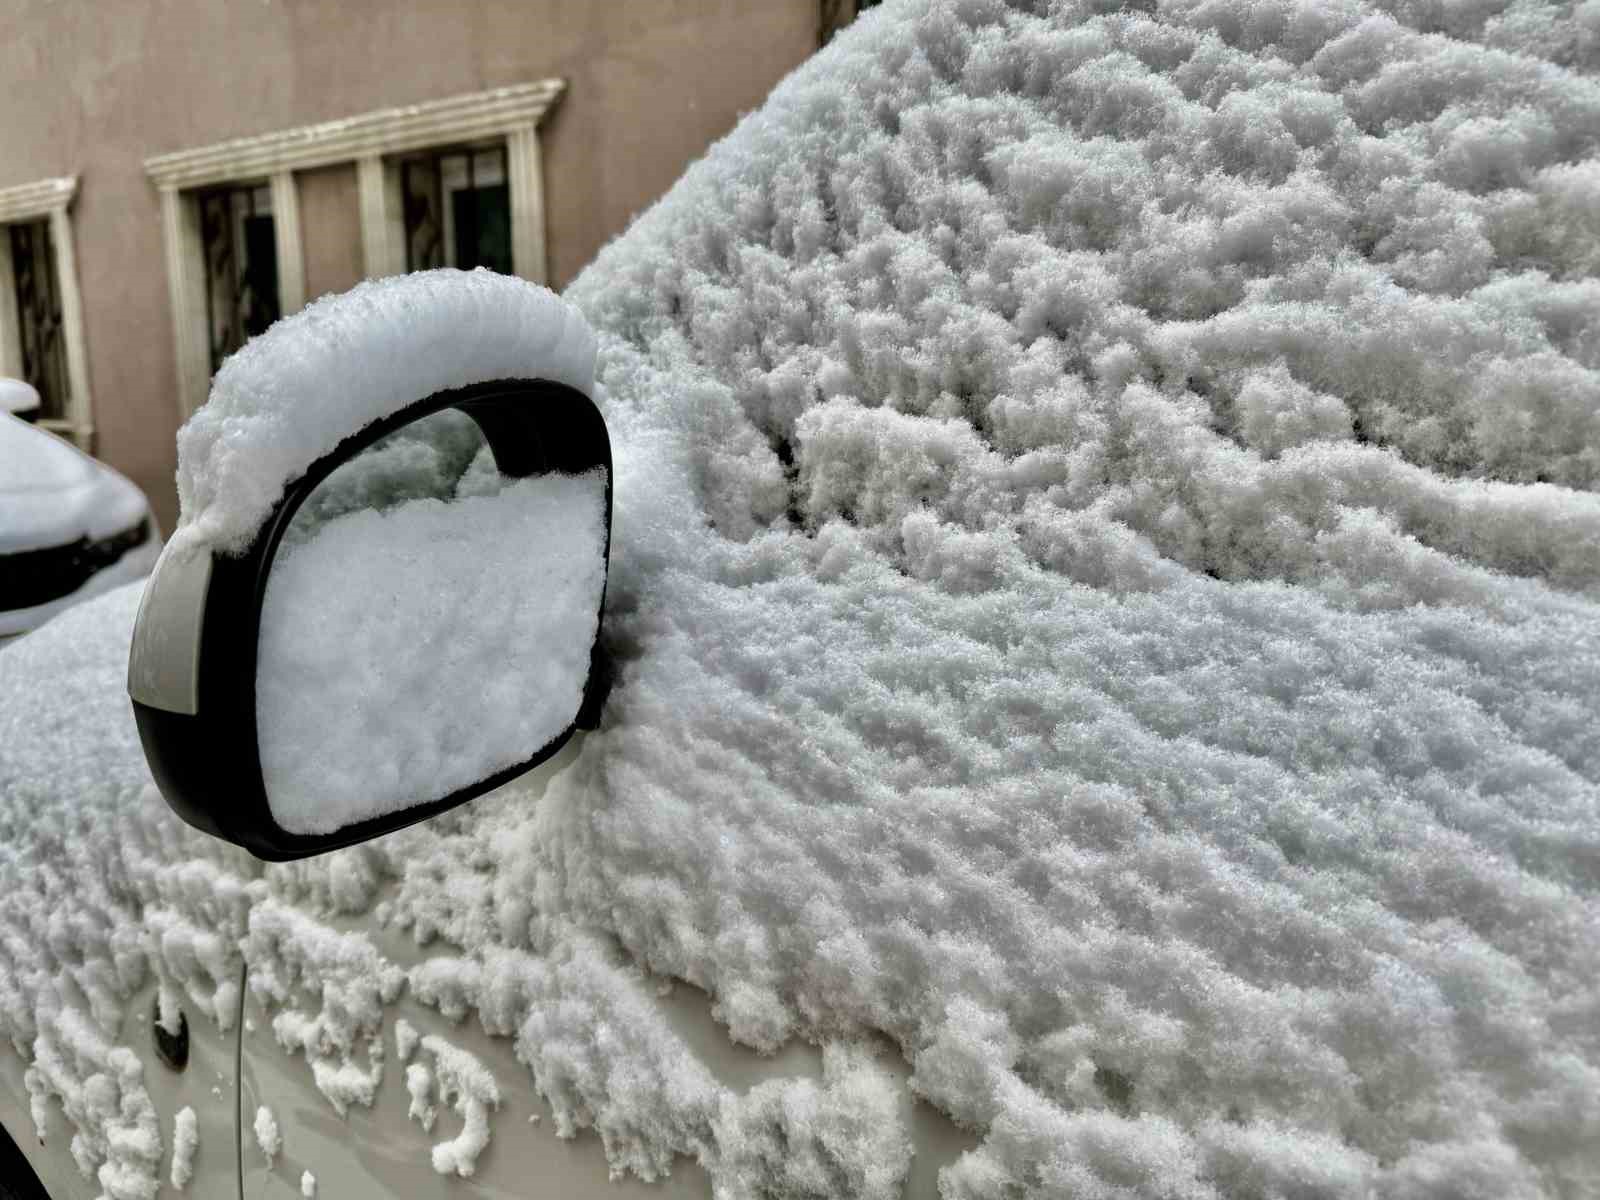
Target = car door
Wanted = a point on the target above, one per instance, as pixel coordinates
(381, 1150)
(199, 1073)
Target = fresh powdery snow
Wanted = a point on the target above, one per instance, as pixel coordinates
(363, 709)
(1105, 592)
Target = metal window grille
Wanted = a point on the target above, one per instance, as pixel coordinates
(44, 354)
(457, 209)
(241, 266)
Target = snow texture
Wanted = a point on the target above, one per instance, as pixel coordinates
(841, 1137)
(100, 1087)
(291, 395)
(1108, 589)
(1105, 594)
(185, 1141)
(466, 1085)
(419, 1086)
(17, 395)
(169, 1010)
(330, 989)
(101, 891)
(268, 1139)
(363, 708)
(308, 1185)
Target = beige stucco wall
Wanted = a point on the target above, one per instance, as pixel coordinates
(94, 88)
(330, 229)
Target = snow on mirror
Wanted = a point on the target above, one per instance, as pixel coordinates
(413, 621)
(427, 623)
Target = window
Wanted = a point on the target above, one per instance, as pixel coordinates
(457, 209)
(41, 311)
(38, 306)
(836, 14)
(241, 265)
(453, 182)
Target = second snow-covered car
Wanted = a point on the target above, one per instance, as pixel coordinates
(70, 527)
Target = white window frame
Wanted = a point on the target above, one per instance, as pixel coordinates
(372, 141)
(51, 200)
(448, 187)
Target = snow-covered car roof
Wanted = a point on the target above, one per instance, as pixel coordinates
(17, 395)
(51, 493)
(70, 527)
(1106, 590)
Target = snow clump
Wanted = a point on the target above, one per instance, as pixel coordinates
(406, 1038)
(268, 1139)
(185, 1141)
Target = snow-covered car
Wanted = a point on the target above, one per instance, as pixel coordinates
(1104, 613)
(70, 527)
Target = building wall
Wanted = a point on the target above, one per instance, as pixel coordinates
(93, 89)
(330, 225)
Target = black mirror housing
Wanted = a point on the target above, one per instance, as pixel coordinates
(194, 660)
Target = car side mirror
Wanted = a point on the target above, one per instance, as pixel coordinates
(415, 623)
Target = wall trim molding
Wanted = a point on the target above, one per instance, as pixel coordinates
(40, 198)
(50, 200)
(387, 131)
(509, 113)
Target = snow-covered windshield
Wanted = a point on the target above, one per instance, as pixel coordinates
(1106, 593)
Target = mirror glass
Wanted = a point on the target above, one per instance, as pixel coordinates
(427, 623)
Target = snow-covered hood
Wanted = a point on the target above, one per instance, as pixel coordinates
(51, 493)
(1106, 589)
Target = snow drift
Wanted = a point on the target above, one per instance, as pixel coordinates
(1106, 591)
